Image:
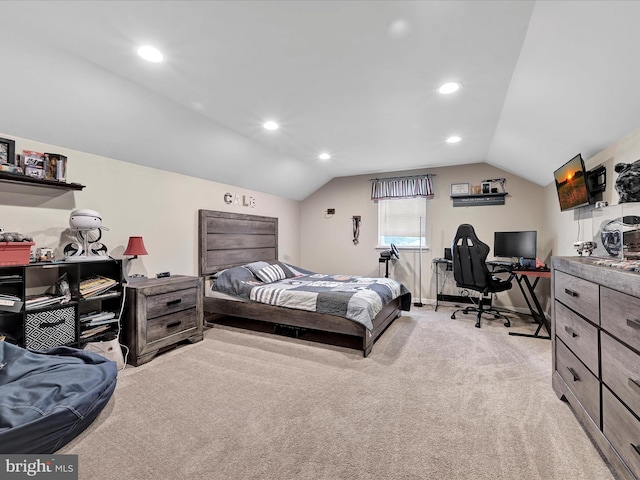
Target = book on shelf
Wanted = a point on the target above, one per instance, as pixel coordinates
(93, 318)
(94, 331)
(41, 301)
(96, 285)
(10, 303)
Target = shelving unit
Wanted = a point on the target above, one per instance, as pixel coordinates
(473, 200)
(18, 179)
(60, 323)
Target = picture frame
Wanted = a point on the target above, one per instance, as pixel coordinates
(7, 151)
(459, 189)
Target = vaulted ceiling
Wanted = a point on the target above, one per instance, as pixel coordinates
(541, 81)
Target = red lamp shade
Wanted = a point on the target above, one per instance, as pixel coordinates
(135, 247)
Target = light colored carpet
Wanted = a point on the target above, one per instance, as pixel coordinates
(436, 399)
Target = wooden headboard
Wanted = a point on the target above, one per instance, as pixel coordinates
(230, 239)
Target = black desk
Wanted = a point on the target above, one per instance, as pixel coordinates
(449, 266)
(524, 276)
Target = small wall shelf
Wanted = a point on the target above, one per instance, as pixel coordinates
(478, 199)
(37, 182)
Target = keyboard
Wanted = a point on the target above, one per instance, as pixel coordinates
(502, 263)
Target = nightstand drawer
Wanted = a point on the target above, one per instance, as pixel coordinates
(166, 303)
(579, 335)
(622, 429)
(580, 380)
(578, 294)
(621, 316)
(621, 371)
(166, 325)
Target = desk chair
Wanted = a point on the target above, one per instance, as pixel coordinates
(470, 271)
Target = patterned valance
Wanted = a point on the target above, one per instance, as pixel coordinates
(402, 187)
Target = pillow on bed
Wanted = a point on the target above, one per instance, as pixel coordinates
(269, 273)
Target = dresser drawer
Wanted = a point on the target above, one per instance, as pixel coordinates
(579, 380)
(166, 325)
(621, 371)
(579, 335)
(580, 295)
(621, 316)
(170, 302)
(622, 429)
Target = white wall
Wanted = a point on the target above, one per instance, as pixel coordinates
(327, 239)
(160, 206)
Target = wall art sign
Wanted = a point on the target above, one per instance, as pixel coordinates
(239, 200)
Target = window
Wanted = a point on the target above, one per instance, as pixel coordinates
(401, 220)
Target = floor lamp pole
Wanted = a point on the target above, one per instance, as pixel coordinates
(419, 303)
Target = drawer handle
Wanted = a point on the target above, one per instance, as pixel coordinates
(173, 302)
(173, 324)
(576, 378)
(570, 331)
(634, 384)
(636, 448)
(633, 323)
(571, 292)
(51, 324)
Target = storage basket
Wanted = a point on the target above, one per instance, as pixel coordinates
(50, 328)
(15, 253)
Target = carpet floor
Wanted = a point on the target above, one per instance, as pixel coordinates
(436, 399)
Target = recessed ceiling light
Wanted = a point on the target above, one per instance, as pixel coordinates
(271, 125)
(324, 156)
(449, 88)
(453, 139)
(150, 54)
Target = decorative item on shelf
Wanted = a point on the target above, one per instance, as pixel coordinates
(134, 248)
(15, 248)
(7, 151)
(495, 185)
(476, 189)
(32, 163)
(55, 167)
(88, 227)
(459, 189)
(628, 181)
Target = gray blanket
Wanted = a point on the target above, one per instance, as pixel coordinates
(357, 298)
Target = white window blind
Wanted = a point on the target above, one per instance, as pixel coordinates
(400, 222)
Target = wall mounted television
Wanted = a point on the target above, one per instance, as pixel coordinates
(571, 184)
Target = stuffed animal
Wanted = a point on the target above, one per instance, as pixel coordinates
(14, 237)
(628, 181)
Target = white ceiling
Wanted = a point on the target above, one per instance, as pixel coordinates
(542, 81)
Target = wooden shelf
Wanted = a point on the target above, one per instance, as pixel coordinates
(37, 182)
(471, 200)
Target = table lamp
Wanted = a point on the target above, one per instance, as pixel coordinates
(134, 248)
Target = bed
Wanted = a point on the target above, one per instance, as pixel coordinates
(228, 240)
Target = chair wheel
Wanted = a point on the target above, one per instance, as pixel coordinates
(478, 325)
(496, 316)
(453, 316)
(507, 323)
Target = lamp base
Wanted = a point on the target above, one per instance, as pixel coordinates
(135, 279)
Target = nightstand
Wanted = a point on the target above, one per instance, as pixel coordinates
(161, 313)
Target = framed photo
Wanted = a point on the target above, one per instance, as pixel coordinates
(7, 151)
(459, 189)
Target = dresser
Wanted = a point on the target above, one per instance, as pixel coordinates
(596, 354)
(160, 313)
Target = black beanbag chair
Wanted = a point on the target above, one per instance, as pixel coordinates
(48, 398)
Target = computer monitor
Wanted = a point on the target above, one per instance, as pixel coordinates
(515, 244)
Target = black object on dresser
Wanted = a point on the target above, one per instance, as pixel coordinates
(161, 313)
(596, 354)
